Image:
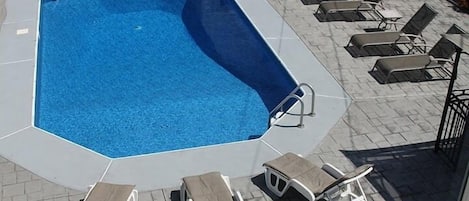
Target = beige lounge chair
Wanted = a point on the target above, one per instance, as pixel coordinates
(314, 183)
(328, 7)
(409, 34)
(211, 186)
(438, 57)
(111, 192)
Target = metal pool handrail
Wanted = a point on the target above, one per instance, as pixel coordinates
(292, 94)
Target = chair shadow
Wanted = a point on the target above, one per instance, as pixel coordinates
(368, 30)
(310, 2)
(458, 8)
(408, 172)
(342, 16)
(175, 195)
(406, 76)
(375, 50)
(291, 194)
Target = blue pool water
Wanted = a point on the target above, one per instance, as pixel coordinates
(131, 77)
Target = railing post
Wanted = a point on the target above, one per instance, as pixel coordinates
(293, 95)
(313, 95)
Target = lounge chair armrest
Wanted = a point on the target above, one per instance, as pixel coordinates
(358, 173)
(441, 59)
(410, 35)
(395, 23)
(332, 170)
(237, 196)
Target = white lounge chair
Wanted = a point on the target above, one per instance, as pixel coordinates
(314, 183)
(111, 192)
(211, 186)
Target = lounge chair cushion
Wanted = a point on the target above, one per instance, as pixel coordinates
(387, 65)
(207, 187)
(333, 6)
(377, 38)
(110, 192)
(293, 166)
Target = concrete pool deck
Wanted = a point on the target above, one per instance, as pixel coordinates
(59, 160)
(392, 126)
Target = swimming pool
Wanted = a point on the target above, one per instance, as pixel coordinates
(92, 92)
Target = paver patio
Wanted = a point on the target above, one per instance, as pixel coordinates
(390, 125)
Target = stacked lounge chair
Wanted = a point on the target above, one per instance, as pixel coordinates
(438, 57)
(411, 32)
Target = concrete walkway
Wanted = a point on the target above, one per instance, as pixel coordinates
(390, 125)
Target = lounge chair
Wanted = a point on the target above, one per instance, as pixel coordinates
(409, 34)
(314, 183)
(327, 7)
(111, 192)
(211, 186)
(438, 57)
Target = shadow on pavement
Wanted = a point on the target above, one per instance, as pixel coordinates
(409, 172)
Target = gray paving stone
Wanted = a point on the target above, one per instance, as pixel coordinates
(13, 190)
(20, 198)
(23, 175)
(35, 196)
(7, 167)
(51, 190)
(63, 198)
(7, 199)
(76, 197)
(157, 195)
(33, 186)
(9, 178)
(145, 196)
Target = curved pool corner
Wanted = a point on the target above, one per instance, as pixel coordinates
(73, 166)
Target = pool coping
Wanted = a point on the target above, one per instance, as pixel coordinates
(73, 166)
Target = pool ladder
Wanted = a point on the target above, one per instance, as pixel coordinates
(279, 111)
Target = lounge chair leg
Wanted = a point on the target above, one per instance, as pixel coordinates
(423, 75)
(387, 79)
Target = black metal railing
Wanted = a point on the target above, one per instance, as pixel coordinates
(453, 126)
